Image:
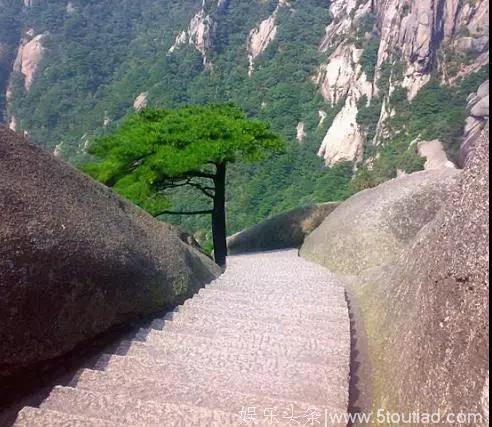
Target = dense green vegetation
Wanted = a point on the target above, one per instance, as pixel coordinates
(102, 67)
(159, 150)
(102, 54)
(10, 27)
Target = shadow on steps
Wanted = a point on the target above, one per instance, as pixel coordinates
(360, 392)
(32, 386)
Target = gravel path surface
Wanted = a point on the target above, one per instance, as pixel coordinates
(268, 343)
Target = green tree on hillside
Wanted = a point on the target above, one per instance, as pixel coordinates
(158, 150)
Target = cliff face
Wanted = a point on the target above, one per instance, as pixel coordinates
(9, 39)
(424, 33)
(369, 49)
(28, 57)
(410, 42)
(478, 108)
(427, 314)
(198, 34)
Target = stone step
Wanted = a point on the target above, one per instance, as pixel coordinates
(323, 307)
(265, 316)
(253, 337)
(291, 286)
(160, 350)
(244, 311)
(127, 410)
(301, 350)
(257, 323)
(34, 417)
(144, 389)
(228, 328)
(293, 382)
(219, 296)
(221, 358)
(286, 296)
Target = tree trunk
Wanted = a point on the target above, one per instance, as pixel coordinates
(219, 217)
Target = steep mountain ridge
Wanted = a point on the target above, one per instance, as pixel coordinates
(349, 81)
(373, 47)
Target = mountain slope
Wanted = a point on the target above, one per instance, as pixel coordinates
(352, 81)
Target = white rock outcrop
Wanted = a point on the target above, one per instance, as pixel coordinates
(415, 36)
(419, 30)
(141, 101)
(479, 110)
(344, 13)
(342, 80)
(433, 152)
(261, 36)
(344, 140)
(300, 132)
(29, 56)
(107, 120)
(58, 151)
(385, 114)
(13, 123)
(70, 8)
(198, 34)
(342, 73)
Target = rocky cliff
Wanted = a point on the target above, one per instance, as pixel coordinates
(374, 226)
(478, 109)
(374, 47)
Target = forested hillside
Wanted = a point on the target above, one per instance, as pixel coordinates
(323, 73)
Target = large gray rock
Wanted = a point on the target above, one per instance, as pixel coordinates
(374, 226)
(481, 108)
(484, 90)
(478, 107)
(426, 314)
(75, 259)
(287, 230)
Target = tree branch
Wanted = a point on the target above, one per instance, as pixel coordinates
(198, 175)
(204, 190)
(175, 183)
(204, 212)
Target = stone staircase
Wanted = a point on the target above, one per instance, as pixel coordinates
(268, 343)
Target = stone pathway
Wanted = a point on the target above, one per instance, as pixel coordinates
(268, 343)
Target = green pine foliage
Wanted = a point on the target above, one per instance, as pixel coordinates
(157, 150)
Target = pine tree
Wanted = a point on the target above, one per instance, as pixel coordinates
(157, 150)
